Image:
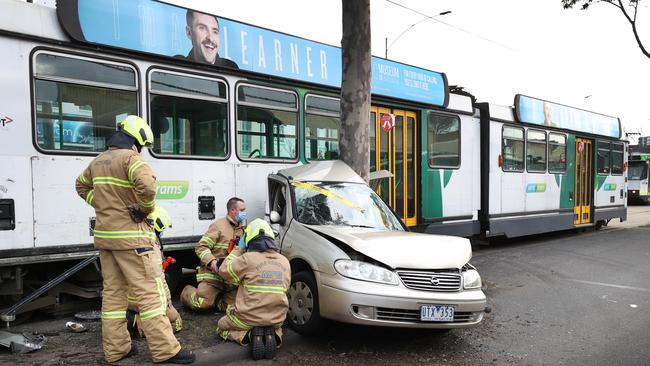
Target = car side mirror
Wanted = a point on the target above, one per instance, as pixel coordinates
(275, 217)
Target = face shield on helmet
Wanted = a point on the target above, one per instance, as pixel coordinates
(138, 128)
(159, 219)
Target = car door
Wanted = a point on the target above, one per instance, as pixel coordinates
(279, 201)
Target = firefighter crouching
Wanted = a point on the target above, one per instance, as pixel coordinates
(213, 248)
(159, 220)
(121, 187)
(263, 276)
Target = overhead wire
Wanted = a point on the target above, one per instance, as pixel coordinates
(432, 17)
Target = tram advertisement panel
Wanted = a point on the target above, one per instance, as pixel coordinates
(168, 30)
(541, 112)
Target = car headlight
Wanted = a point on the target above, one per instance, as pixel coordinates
(471, 279)
(365, 272)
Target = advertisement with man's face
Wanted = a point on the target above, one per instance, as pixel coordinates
(159, 28)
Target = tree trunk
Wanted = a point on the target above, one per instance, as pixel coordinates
(355, 86)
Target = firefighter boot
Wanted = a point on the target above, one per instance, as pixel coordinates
(184, 356)
(257, 343)
(270, 345)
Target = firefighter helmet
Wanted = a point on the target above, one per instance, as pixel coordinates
(159, 219)
(138, 128)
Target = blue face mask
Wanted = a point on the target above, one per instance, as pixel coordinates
(241, 216)
(242, 242)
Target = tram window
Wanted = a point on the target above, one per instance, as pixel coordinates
(189, 115)
(536, 151)
(617, 159)
(322, 124)
(267, 121)
(79, 102)
(603, 157)
(444, 140)
(556, 153)
(513, 149)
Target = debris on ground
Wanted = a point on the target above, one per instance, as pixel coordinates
(19, 343)
(75, 327)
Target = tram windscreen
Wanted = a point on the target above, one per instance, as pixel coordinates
(638, 170)
(342, 204)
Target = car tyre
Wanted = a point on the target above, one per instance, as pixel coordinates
(304, 310)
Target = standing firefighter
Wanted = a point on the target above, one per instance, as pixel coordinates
(121, 187)
(211, 250)
(263, 276)
(159, 220)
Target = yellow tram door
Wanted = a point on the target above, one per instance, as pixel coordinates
(584, 177)
(394, 148)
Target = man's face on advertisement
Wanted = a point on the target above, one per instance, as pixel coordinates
(204, 33)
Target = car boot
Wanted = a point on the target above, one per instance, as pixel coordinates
(257, 343)
(184, 356)
(270, 345)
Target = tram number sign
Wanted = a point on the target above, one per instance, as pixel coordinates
(387, 122)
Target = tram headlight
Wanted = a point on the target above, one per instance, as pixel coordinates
(471, 279)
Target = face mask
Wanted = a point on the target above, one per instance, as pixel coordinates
(241, 216)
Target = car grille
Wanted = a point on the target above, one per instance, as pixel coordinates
(431, 280)
(405, 315)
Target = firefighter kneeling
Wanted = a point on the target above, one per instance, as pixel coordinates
(159, 220)
(261, 305)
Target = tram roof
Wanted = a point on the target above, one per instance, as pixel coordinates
(322, 171)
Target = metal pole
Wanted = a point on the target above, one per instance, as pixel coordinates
(386, 45)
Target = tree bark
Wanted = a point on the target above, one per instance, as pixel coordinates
(354, 149)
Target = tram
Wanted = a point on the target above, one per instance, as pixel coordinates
(266, 101)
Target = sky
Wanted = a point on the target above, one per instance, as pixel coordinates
(495, 49)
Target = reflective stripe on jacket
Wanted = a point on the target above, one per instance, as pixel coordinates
(114, 180)
(263, 280)
(214, 245)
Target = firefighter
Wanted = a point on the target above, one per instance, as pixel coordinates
(211, 250)
(263, 276)
(121, 187)
(159, 220)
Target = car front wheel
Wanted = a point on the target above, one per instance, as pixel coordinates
(304, 313)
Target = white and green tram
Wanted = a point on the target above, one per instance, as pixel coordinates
(458, 167)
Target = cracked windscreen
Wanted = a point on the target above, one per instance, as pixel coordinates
(344, 204)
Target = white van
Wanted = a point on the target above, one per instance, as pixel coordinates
(353, 260)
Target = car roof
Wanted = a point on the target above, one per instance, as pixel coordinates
(322, 171)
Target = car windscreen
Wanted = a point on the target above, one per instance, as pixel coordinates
(638, 170)
(345, 204)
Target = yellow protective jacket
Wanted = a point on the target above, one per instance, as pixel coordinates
(214, 245)
(263, 279)
(114, 180)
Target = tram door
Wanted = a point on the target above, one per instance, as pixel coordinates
(394, 148)
(584, 190)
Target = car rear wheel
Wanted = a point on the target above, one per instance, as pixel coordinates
(304, 313)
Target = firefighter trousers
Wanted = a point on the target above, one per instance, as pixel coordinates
(137, 271)
(231, 328)
(205, 296)
(172, 314)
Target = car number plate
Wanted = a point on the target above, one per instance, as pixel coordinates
(437, 313)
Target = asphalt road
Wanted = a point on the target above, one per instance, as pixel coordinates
(572, 298)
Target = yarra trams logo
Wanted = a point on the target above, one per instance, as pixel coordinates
(171, 189)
